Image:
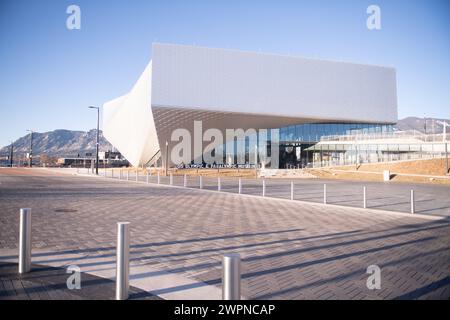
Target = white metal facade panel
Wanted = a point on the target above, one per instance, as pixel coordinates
(237, 81)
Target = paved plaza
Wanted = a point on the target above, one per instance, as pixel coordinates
(289, 249)
(49, 283)
(429, 199)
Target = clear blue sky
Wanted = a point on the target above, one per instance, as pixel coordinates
(49, 74)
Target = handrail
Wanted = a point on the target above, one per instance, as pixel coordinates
(150, 162)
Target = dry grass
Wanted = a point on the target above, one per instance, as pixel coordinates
(433, 167)
(399, 172)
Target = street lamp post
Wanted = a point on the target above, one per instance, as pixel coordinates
(446, 158)
(30, 158)
(444, 139)
(97, 142)
(166, 166)
(256, 160)
(11, 155)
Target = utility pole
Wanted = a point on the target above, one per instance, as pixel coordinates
(30, 158)
(97, 142)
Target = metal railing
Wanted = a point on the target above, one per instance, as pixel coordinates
(406, 135)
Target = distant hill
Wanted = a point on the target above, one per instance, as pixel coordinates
(59, 143)
(421, 124)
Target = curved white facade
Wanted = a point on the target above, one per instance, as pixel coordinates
(236, 89)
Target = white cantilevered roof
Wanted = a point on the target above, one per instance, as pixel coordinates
(236, 89)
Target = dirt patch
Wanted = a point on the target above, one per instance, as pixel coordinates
(434, 167)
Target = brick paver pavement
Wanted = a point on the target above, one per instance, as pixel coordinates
(47, 283)
(429, 198)
(289, 250)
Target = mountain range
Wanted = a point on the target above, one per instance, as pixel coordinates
(70, 143)
(60, 142)
(424, 125)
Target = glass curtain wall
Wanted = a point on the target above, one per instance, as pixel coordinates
(329, 154)
(312, 132)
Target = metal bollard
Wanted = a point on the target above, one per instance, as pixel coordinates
(264, 187)
(112, 173)
(201, 182)
(120, 174)
(147, 177)
(25, 241)
(185, 181)
(240, 185)
(364, 198)
(123, 260)
(128, 175)
(324, 194)
(137, 175)
(159, 178)
(219, 185)
(292, 190)
(171, 179)
(231, 277)
(412, 202)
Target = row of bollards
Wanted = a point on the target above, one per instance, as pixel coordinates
(219, 187)
(231, 263)
(412, 201)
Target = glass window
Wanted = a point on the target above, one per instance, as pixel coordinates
(427, 147)
(307, 129)
(404, 147)
(297, 133)
(283, 132)
(314, 129)
(293, 133)
(393, 147)
(414, 147)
